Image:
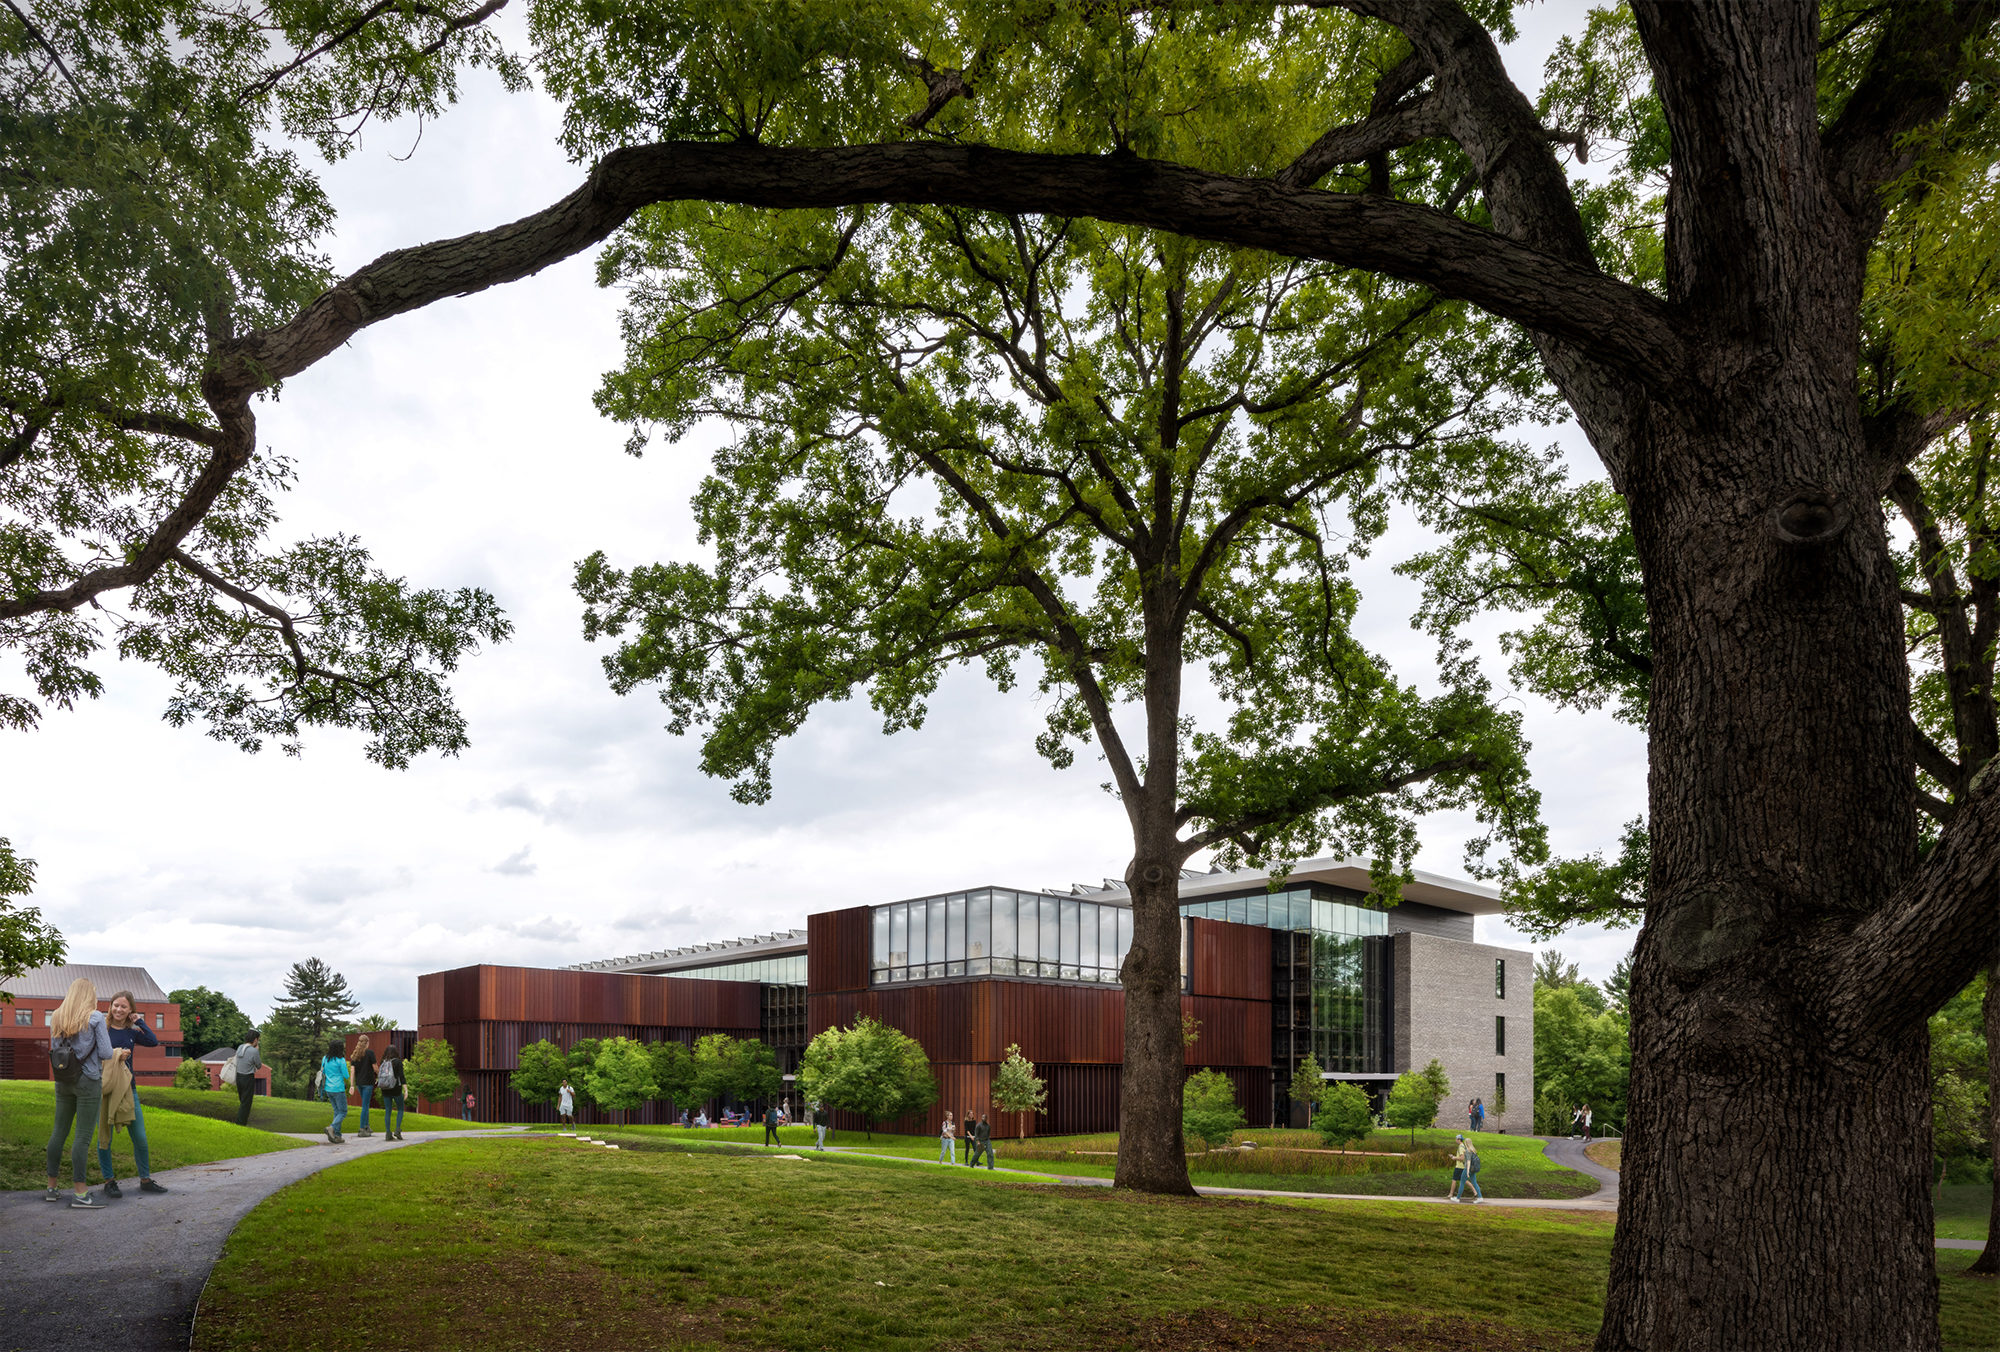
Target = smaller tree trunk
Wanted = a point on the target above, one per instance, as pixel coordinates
(1988, 1262)
(1150, 1153)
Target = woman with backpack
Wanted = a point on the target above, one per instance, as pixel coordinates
(79, 1045)
(389, 1084)
(128, 1029)
(333, 1067)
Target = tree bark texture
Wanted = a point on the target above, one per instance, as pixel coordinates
(1988, 1262)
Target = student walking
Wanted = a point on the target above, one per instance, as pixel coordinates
(465, 1112)
(1472, 1172)
(1458, 1161)
(948, 1143)
(79, 1045)
(566, 1106)
(1575, 1123)
(127, 1030)
(389, 1083)
(248, 1061)
(363, 1077)
(334, 1067)
(819, 1125)
(771, 1126)
(981, 1144)
(1586, 1121)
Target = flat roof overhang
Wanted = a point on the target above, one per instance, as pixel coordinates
(1432, 889)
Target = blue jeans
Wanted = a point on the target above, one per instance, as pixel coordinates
(1473, 1179)
(367, 1094)
(392, 1102)
(947, 1150)
(139, 1155)
(338, 1098)
(77, 1103)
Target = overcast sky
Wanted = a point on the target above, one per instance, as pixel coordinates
(460, 444)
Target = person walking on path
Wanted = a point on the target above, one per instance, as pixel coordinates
(1575, 1123)
(389, 1084)
(465, 1111)
(981, 1144)
(362, 1075)
(1586, 1121)
(819, 1124)
(127, 1030)
(1472, 1114)
(1472, 1171)
(771, 1126)
(1458, 1167)
(334, 1066)
(947, 1142)
(248, 1062)
(79, 1045)
(566, 1105)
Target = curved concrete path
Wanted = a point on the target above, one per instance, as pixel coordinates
(129, 1277)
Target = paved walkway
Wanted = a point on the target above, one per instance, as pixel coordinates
(128, 1278)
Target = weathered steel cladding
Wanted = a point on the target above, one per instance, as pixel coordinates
(837, 944)
(1228, 959)
(540, 995)
(970, 1021)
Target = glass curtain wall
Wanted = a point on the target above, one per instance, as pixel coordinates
(786, 971)
(1343, 1036)
(997, 931)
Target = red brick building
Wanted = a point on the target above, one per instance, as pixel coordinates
(24, 1024)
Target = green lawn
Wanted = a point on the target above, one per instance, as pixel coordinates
(282, 1114)
(544, 1243)
(1512, 1166)
(1963, 1211)
(172, 1139)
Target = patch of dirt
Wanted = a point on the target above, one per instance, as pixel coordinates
(1605, 1154)
(1314, 1329)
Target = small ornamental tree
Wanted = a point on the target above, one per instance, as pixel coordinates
(543, 1067)
(1208, 1108)
(1413, 1103)
(1343, 1116)
(621, 1077)
(871, 1070)
(1016, 1087)
(210, 1019)
(431, 1069)
(1307, 1086)
(674, 1077)
(191, 1074)
(1440, 1082)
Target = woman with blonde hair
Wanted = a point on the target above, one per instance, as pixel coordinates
(128, 1029)
(79, 1045)
(363, 1077)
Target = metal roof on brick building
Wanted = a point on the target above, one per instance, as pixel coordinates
(52, 983)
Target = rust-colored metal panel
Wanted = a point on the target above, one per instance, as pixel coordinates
(1229, 960)
(837, 949)
(620, 999)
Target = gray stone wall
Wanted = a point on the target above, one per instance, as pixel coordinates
(1418, 918)
(1445, 1006)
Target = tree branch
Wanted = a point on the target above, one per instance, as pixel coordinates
(47, 46)
(1299, 807)
(1912, 76)
(1625, 327)
(370, 15)
(1902, 962)
(1415, 121)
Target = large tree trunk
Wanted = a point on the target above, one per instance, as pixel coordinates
(1150, 1154)
(1775, 1185)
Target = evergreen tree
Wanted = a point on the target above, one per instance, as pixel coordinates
(317, 999)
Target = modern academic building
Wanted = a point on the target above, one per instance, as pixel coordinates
(1315, 968)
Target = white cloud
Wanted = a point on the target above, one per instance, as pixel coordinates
(516, 865)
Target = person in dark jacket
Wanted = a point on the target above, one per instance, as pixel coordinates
(389, 1083)
(128, 1030)
(248, 1062)
(771, 1126)
(982, 1144)
(363, 1079)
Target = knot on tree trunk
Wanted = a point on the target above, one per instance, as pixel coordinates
(1810, 518)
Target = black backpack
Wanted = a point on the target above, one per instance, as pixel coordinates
(65, 1063)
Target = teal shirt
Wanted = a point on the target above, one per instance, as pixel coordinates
(335, 1071)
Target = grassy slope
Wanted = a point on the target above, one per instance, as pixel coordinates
(1963, 1211)
(172, 1139)
(547, 1244)
(282, 1114)
(1512, 1166)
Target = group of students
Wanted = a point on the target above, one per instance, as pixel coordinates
(90, 1057)
(368, 1075)
(979, 1141)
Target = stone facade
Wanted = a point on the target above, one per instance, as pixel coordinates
(1446, 1002)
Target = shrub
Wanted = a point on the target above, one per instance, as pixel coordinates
(1208, 1108)
(1413, 1102)
(191, 1074)
(1343, 1115)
